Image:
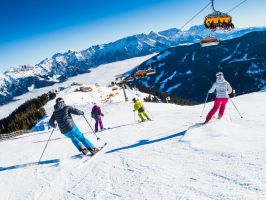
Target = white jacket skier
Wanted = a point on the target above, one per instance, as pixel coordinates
(223, 89)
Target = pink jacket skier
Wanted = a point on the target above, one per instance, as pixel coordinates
(223, 89)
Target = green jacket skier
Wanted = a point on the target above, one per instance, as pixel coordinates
(138, 106)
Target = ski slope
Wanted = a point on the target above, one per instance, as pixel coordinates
(168, 158)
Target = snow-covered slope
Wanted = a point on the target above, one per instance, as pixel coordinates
(168, 158)
(61, 66)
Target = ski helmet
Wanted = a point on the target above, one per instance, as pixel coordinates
(134, 99)
(59, 99)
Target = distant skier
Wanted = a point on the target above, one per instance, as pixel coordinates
(96, 114)
(138, 105)
(223, 89)
(62, 115)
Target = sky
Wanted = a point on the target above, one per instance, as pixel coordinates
(32, 30)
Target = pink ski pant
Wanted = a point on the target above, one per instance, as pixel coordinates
(219, 103)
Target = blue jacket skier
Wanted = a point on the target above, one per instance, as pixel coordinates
(62, 115)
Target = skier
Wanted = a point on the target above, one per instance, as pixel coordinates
(96, 114)
(62, 115)
(223, 89)
(138, 105)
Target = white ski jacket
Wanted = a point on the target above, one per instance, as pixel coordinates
(222, 87)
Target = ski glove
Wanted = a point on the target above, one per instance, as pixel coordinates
(53, 125)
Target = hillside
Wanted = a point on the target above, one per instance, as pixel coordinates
(189, 71)
(168, 158)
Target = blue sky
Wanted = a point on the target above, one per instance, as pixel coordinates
(31, 30)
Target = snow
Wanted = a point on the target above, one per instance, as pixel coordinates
(161, 65)
(193, 56)
(254, 69)
(166, 80)
(227, 58)
(186, 44)
(79, 56)
(189, 72)
(164, 55)
(240, 59)
(185, 57)
(31, 87)
(150, 61)
(168, 158)
(159, 76)
(173, 87)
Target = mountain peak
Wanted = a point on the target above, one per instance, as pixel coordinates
(168, 32)
(152, 33)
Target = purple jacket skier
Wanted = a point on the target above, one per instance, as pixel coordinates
(96, 114)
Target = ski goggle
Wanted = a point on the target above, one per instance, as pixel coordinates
(219, 74)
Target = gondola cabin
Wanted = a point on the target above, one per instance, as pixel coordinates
(140, 74)
(129, 78)
(209, 42)
(122, 82)
(217, 20)
(150, 71)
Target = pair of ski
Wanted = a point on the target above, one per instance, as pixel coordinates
(139, 121)
(104, 129)
(214, 119)
(91, 156)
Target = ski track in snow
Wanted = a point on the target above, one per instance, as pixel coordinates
(172, 157)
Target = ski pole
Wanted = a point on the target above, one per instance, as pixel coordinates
(46, 145)
(236, 107)
(91, 128)
(204, 104)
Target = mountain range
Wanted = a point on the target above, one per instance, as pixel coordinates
(21, 79)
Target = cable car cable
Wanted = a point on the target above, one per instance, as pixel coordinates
(212, 3)
(237, 6)
(195, 15)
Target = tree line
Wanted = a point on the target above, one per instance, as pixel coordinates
(24, 117)
(158, 96)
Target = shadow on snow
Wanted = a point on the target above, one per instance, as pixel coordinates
(55, 163)
(146, 142)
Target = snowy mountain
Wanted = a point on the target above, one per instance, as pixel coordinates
(189, 71)
(169, 158)
(21, 79)
(102, 75)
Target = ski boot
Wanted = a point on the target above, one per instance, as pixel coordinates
(93, 150)
(83, 150)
